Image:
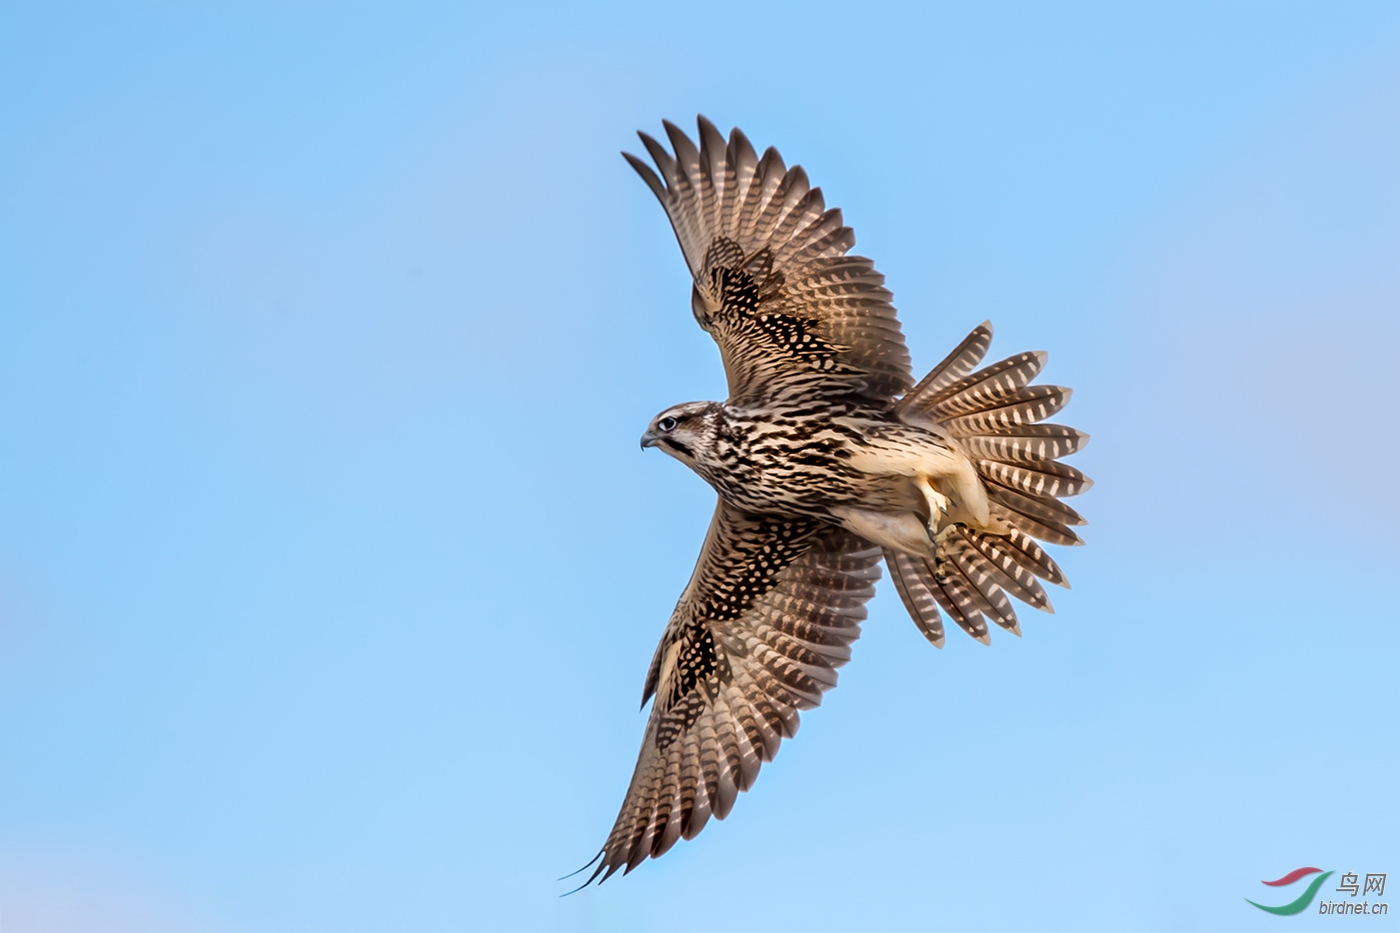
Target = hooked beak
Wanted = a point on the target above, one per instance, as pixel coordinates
(650, 439)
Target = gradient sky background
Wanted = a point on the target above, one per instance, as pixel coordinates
(330, 569)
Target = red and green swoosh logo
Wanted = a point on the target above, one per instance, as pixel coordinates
(1304, 899)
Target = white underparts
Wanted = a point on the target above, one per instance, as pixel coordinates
(901, 531)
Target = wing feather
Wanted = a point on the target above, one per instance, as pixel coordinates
(792, 313)
(750, 644)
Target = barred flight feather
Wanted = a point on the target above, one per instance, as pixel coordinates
(1048, 478)
(952, 388)
(955, 365)
(1029, 445)
(780, 652)
(983, 578)
(1049, 532)
(1023, 407)
(915, 585)
(720, 193)
(1009, 559)
(1007, 574)
(1044, 508)
(986, 388)
(960, 600)
(1031, 556)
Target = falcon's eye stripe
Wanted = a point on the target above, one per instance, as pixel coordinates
(666, 424)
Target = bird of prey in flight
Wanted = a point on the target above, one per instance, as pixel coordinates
(827, 457)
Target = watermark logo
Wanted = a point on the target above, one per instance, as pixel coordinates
(1352, 885)
(1303, 900)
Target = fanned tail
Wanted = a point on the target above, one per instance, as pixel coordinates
(997, 417)
(955, 365)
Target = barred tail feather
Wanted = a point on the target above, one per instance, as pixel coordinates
(1030, 444)
(998, 418)
(916, 585)
(1008, 414)
(1045, 509)
(955, 365)
(1013, 578)
(987, 387)
(983, 579)
(1045, 479)
(960, 600)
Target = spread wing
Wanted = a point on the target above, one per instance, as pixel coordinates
(791, 312)
(767, 617)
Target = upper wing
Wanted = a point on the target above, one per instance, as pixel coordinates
(767, 617)
(773, 284)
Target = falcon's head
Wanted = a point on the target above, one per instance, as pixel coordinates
(686, 432)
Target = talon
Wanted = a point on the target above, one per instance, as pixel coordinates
(938, 504)
(937, 538)
(942, 534)
(939, 561)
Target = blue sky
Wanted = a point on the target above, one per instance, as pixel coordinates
(330, 569)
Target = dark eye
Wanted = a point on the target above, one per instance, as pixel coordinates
(666, 424)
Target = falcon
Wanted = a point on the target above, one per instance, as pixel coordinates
(827, 459)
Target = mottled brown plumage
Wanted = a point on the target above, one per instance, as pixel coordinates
(826, 458)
